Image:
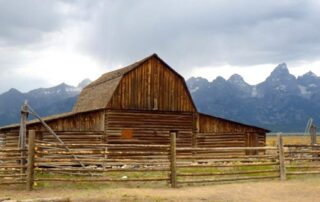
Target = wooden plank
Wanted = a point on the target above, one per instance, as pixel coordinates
(173, 172)
(100, 180)
(227, 173)
(227, 179)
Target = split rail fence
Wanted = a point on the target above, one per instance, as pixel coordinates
(52, 162)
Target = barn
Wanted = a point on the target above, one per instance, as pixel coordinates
(140, 104)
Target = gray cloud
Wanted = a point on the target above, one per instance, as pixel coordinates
(186, 33)
(24, 30)
(24, 22)
(189, 33)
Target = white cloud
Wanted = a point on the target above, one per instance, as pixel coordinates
(56, 66)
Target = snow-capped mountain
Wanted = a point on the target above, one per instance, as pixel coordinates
(281, 103)
(46, 101)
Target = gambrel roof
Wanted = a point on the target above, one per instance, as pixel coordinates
(98, 94)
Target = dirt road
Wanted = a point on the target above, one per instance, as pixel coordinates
(292, 190)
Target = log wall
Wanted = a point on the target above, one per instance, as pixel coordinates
(142, 127)
(217, 132)
(85, 127)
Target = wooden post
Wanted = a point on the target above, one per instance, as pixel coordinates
(313, 134)
(173, 175)
(23, 136)
(282, 167)
(30, 169)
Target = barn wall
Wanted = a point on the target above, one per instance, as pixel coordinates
(152, 86)
(216, 132)
(148, 127)
(79, 128)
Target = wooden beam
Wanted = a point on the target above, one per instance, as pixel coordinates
(30, 167)
(282, 167)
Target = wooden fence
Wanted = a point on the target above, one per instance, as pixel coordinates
(167, 164)
(302, 159)
(12, 166)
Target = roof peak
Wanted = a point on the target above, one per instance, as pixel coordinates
(107, 84)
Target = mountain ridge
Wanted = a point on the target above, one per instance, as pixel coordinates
(282, 102)
(45, 101)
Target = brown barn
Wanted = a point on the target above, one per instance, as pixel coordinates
(141, 103)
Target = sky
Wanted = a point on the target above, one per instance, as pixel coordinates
(45, 42)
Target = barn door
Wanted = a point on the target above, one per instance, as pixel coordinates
(251, 141)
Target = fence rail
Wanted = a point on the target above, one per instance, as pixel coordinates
(176, 166)
(12, 169)
(208, 167)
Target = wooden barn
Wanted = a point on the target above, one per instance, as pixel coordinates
(141, 104)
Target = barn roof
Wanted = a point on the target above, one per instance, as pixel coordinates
(33, 121)
(98, 94)
(234, 122)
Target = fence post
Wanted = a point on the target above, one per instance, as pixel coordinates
(313, 134)
(173, 175)
(282, 166)
(30, 168)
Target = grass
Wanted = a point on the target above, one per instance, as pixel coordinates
(290, 139)
(107, 184)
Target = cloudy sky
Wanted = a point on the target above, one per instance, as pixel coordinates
(46, 42)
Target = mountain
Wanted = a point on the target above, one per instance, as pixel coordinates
(45, 101)
(281, 103)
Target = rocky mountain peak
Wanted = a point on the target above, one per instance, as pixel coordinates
(219, 79)
(310, 74)
(84, 83)
(280, 71)
(309, 79)
(194, 83)
(281, 80)
(237, 80)
(13, 91)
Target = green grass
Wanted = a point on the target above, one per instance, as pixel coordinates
(107, 184)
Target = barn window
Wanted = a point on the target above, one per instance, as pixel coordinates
(127, 133)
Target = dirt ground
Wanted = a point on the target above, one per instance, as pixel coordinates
(302, 189)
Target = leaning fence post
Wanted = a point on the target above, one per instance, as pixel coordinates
(282, 166)
(313, 134)
(30, 168)
(173, 175)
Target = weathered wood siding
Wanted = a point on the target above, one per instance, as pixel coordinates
(87, 121)
(217, 132)
(152, 86)
(85, 127)
(148, 127)
(68, 137)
